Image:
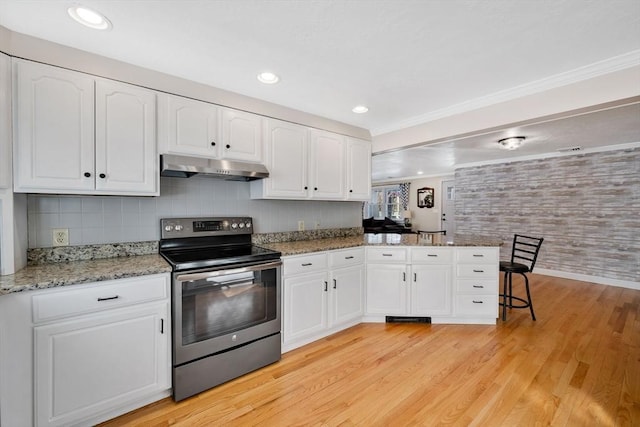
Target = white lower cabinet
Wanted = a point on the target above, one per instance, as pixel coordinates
(409, 282)
(322, 294)
(477, 280)
(98, 351)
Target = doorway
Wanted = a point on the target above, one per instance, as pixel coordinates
(447, 217)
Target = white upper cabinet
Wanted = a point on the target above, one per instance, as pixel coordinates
(77, 134)
(126, 155)
(241, 136)
(53, 129)
(188, 126)
(5, 121)
(286, 154)
(358, 170)
(306, 163)
(326, 165)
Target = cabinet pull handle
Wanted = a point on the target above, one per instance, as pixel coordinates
(162, 326)
(478, 271)
(478, 286)
(307, 264)
(103, 176)
(348, 257)
(478, 255)
(477, 302)
(433, 255)
(415, 277)
(326, 286)
(404, 277)
(387, 254)
(108, 298)
(335, 284)
(87, 174)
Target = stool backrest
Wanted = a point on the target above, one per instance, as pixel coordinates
(525, 250)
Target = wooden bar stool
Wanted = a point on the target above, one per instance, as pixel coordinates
(525, 250)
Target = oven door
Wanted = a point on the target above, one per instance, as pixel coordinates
(215, 310)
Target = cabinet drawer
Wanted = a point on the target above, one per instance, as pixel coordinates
(433, 255)
(347, 257)
(479, 271)
(304, 264)
(99, 296)
(477, 305)
(386, 255)
(477, 286)
(478, 255)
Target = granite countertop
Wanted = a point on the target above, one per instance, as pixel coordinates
(44, 276)
(318, 245)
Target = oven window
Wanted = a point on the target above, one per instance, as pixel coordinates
(219, 305)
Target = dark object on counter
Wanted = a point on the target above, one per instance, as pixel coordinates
(386, 225)
(525, 249)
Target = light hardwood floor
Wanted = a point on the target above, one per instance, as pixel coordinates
(577, 365)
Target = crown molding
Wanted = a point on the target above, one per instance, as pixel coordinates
(616, 63)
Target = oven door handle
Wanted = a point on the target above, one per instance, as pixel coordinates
(205, 275)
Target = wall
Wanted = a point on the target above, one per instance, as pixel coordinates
(112, 219)
(426, 218)
(587, 208)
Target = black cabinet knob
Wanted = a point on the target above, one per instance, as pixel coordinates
(306, 188)
(213, 143)
(87, 174)
(228, 146)
(315, 188)
(103, 176)
(350, 191)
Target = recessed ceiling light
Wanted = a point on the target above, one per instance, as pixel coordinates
(360, 109)
(511, 143)
(89, 18)
(268, 78)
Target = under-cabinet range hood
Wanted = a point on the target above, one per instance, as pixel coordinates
(231, 170)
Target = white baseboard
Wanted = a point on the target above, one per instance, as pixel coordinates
(586, 278)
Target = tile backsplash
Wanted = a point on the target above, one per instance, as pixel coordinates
(114, 219)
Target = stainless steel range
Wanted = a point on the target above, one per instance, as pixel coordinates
(226, 301)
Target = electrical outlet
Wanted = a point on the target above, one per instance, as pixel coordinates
(60, 237)
(300, 225)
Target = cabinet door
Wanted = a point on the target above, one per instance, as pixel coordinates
(188, 126)
(99, 362)
(5, 121)
(286, 159)
(387, 289)
(53, 128)
(305, 305)
(431, 290)
(126, 153)
(241, 136)
(347, 294)
(326, 168)
(358, 170)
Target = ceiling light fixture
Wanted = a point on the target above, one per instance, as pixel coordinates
(360, 109)
(511, 143)
(89, 18)
(268, 78)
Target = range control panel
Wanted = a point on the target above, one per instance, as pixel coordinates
(171, 228)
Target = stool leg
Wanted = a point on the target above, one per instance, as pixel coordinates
(526, 284)
(504, 297)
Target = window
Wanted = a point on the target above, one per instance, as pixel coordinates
(385, 202)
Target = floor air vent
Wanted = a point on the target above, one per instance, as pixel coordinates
(405, 319)
(570, 149)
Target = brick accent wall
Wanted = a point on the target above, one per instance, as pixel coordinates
(587, 208)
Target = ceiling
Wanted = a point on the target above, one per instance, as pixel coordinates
(404, 59)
